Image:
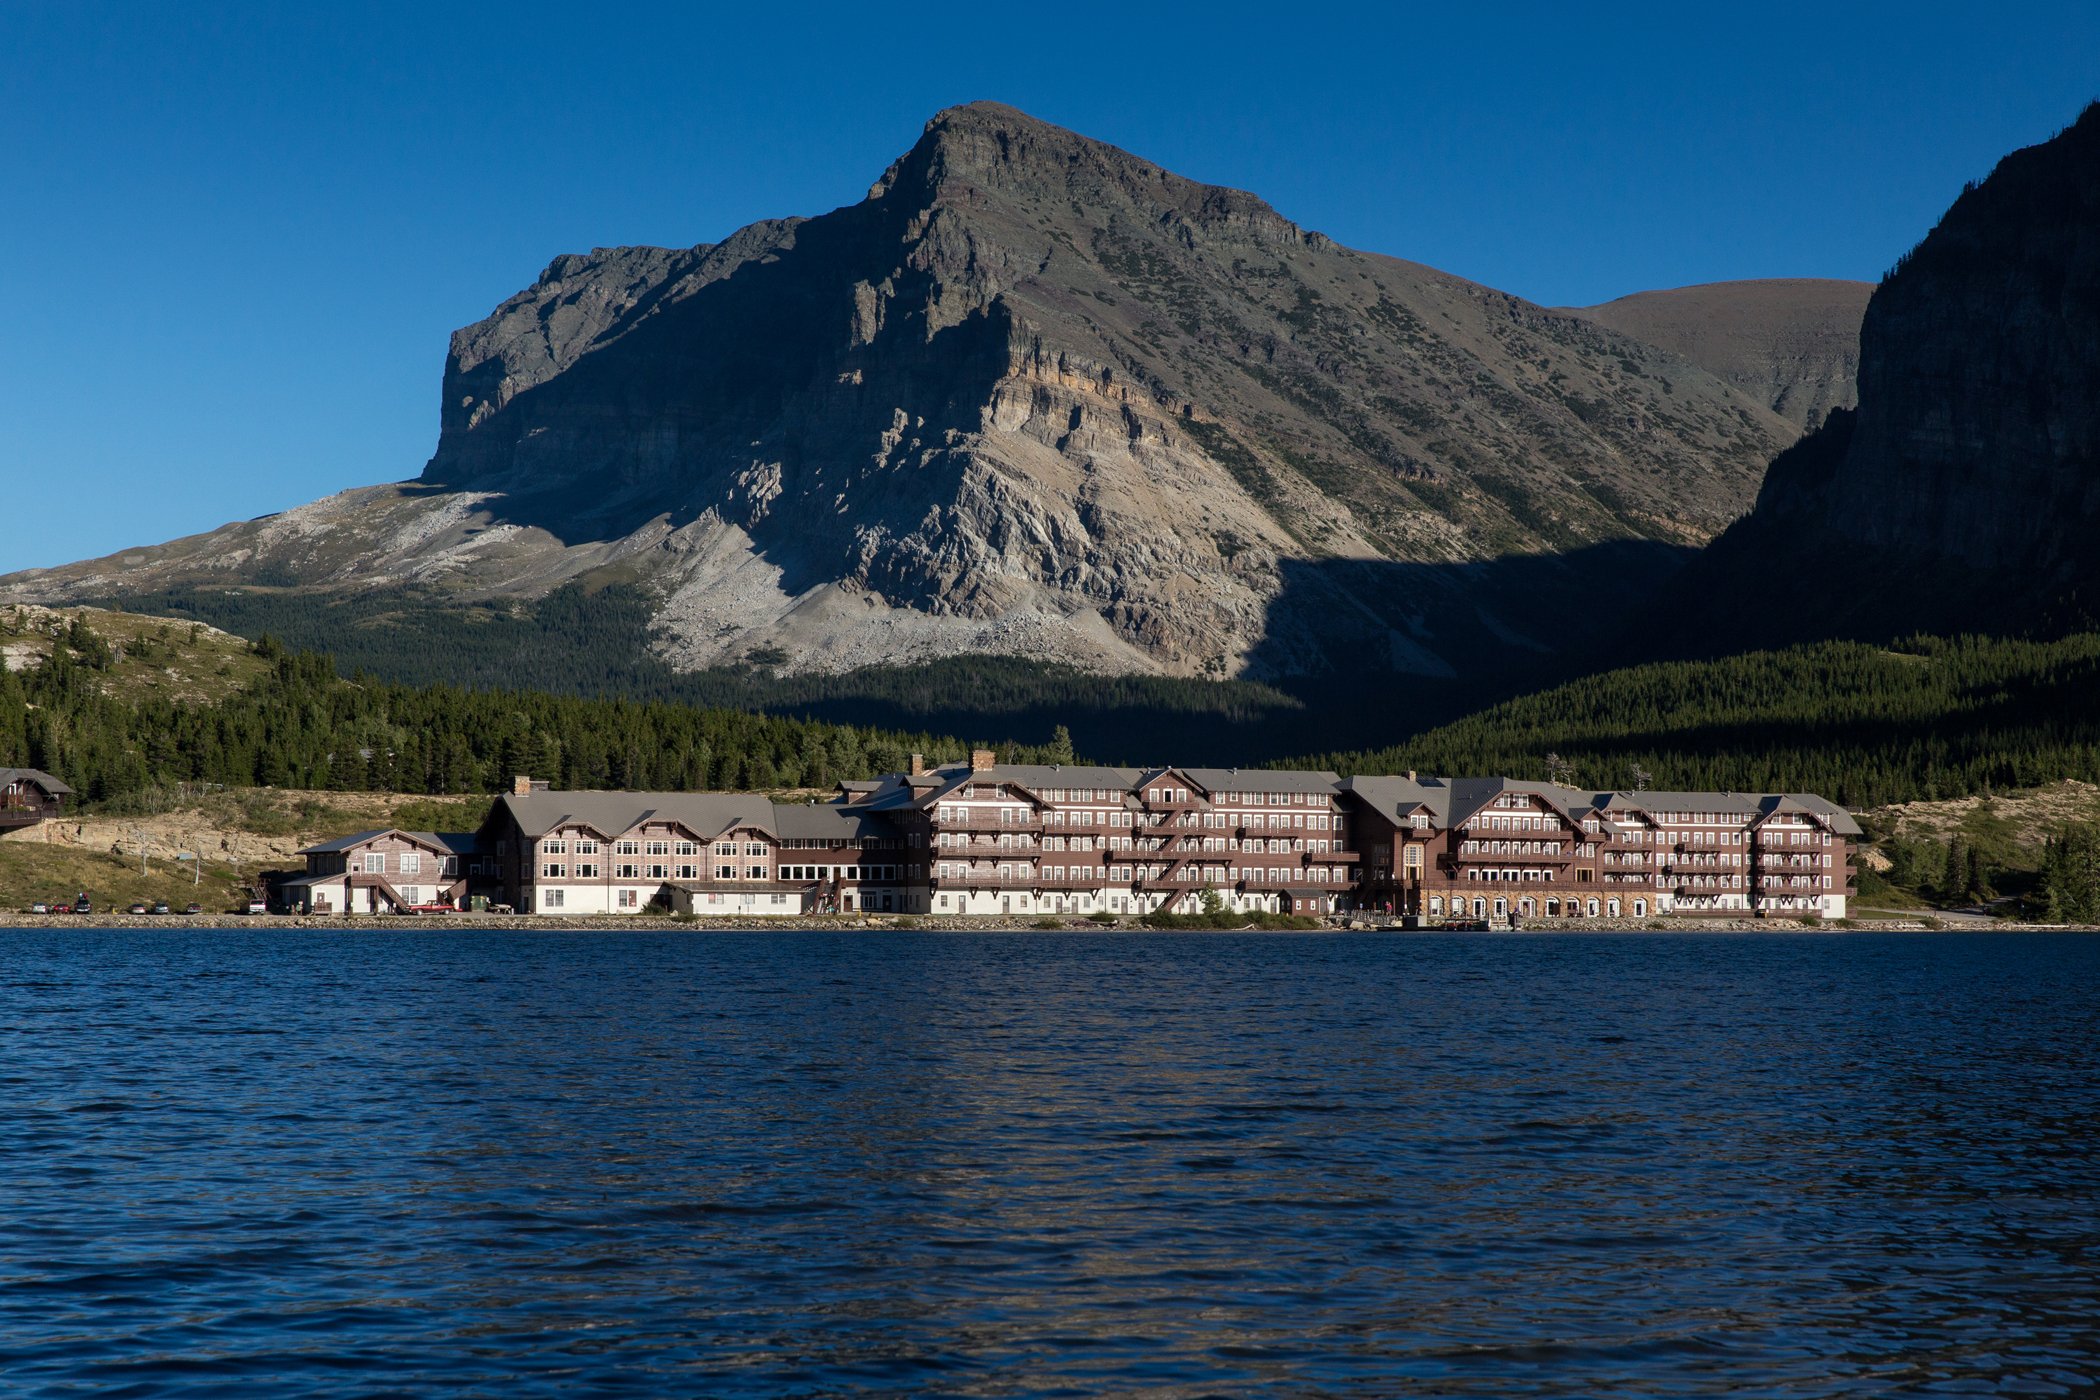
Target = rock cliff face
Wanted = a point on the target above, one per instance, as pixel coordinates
(1032, 396)
(1965, 490)
(1790, 343)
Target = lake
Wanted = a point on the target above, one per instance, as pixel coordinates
(446, 1162)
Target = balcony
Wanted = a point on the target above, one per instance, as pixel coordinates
(991, 821)
(993, 880)
(1462, 859)
(27, 812)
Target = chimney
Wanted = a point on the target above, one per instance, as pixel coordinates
(918, 765)
(981, 759)
(1410, 775)
(521, 786)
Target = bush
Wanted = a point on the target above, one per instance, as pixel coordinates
(1048, 923)
(1225, 919)
(1103, 918)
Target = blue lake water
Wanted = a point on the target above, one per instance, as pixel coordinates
(457, 1163)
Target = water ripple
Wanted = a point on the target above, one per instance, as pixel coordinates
(272, 1163)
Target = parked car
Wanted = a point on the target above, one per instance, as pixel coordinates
(83, 905)
(193, 908)
(138, 909)
(160, 906)
(40, 908)
(256, 906)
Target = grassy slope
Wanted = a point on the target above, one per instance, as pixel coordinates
(154, 656)
(241, 833)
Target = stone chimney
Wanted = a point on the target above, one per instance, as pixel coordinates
(521, 786)
(1410, 775)
(981, 759)
(918, 765)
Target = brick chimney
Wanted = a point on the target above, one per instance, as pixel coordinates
(1410, 775)
(521, 786)
(981, 759)
(918, 765)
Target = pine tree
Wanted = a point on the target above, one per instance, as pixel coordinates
(1954, 885)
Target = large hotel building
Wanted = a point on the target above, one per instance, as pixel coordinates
(989, 838)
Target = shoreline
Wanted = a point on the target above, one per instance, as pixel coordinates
(617, 923)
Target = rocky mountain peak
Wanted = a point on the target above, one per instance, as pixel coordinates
(1038, 396)
(987, 151)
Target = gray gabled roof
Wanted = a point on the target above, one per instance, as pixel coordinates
(1758, 805)
(432, 839)
(1395, 799)
(37, 777)
(1217, 780)
(1448, 802)
(826, 821)
(705, 814)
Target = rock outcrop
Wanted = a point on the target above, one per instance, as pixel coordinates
(1034, 396)
(1791, 343)
(1964, 492)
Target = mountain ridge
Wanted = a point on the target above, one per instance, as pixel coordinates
(1791, 343)
(1963, 492)
(1033, 396)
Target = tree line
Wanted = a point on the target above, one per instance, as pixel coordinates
(1863, 725)
(303, 725)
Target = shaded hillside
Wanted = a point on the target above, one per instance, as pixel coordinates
(1033, 397)
(1964, 492)
(1858, 723)
(1790, 343)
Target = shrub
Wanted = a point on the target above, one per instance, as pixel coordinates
(1048, 923)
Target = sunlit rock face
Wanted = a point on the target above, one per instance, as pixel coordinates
(1035, 396)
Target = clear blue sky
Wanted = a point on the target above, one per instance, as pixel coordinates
(235, 238)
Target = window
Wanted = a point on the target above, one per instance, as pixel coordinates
(756, 872)
(552, 899)
(375, 863)
(688, 872)
(627, 872)
(687, 848)
(659, 872)
(627, 899)
(725, 848)
(586, 848)
(754, 848)
(411, 863)
(554, 848)
(659, 848)
(553, 870)
(627, 848)
(725, 872)
(587, 870)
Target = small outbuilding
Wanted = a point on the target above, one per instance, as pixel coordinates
(379, 872)
(29, 796)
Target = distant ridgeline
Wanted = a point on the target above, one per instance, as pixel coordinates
(1861, 724)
